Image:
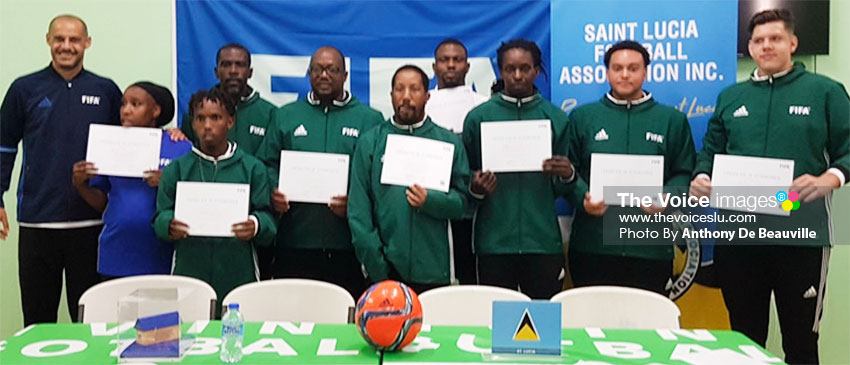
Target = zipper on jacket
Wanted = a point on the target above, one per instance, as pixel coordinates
(769, 107)
(519, 223)
(410, 247)
(327, 128)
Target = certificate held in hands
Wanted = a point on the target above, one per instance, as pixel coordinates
(312, 177)
(515, 146)
(641, 175)
(123, 151)
(412, 160)
(740, 177)
(211, 209)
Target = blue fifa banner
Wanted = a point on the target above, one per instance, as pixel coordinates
(527, 328)
(376, 38)
(691, 45)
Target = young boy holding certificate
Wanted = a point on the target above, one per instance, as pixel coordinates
(400, 230)
(127, 244)
(223, 262)
(627, 120)
(516, 233)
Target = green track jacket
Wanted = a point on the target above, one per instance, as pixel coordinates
(640, 127)
(385, 229)
(305, 125)
(253, 115)
(519, 217)
(223, 262)
(798, 116)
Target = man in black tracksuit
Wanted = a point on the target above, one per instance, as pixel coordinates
(782, 112)
(51, 110)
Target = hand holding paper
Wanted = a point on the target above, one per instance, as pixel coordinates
(177, 230)
(419, 161)
(244, 230)
(515, 146)
(312, 177)
(123, 151)
(416, 196)
(211, 209)
(483, 183)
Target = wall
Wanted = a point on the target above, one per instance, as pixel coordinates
(131, 41)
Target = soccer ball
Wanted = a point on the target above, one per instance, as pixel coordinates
(389, 315)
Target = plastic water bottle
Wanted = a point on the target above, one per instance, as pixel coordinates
(232, 330)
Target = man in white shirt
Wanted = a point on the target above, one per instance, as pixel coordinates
(452, 99)
(447, 107)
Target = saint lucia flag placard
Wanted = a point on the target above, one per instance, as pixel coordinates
(527, 328)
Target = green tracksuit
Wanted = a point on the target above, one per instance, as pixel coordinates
(640, 127)
(223, 262)
(385, 229)
(253, 115)
(799, 116)
(519, 217)
(307, 126)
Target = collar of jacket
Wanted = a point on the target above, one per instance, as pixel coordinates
(611, 100)
(53, 72)
(245, 100)
(311, 99)
(231, 150)
(410, 127)
(797, 69)
(518, 102)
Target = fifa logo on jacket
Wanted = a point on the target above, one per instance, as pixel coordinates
(260, 131)
(657, 138)
(799, 110)
(90, 100)
(351, 132)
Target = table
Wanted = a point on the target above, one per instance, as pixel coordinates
(308, 343)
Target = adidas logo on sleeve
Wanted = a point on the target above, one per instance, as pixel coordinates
(601, 135)
(741, 112)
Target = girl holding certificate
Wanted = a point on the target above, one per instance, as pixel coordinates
(516, 233)
(127, 243)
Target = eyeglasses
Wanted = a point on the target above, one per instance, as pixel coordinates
(332, 71)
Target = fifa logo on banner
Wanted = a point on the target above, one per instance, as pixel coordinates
(790, 201)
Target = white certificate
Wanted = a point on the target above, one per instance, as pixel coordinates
(312, 177)
(739, 178)
(515, 146)
(412, 160)
(123, 151)
(211, 209)
(640, 175)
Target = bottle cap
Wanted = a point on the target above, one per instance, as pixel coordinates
(233, 306)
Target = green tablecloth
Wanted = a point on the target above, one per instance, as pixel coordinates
(306, 343)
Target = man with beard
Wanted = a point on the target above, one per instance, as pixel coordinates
(253, 113)
(398, 232)
(447, 107)
(314, 240)
(51, 110)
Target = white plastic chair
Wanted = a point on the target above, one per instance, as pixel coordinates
(464, 305)
(616, 307)
(296, 300)
(100, 302)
